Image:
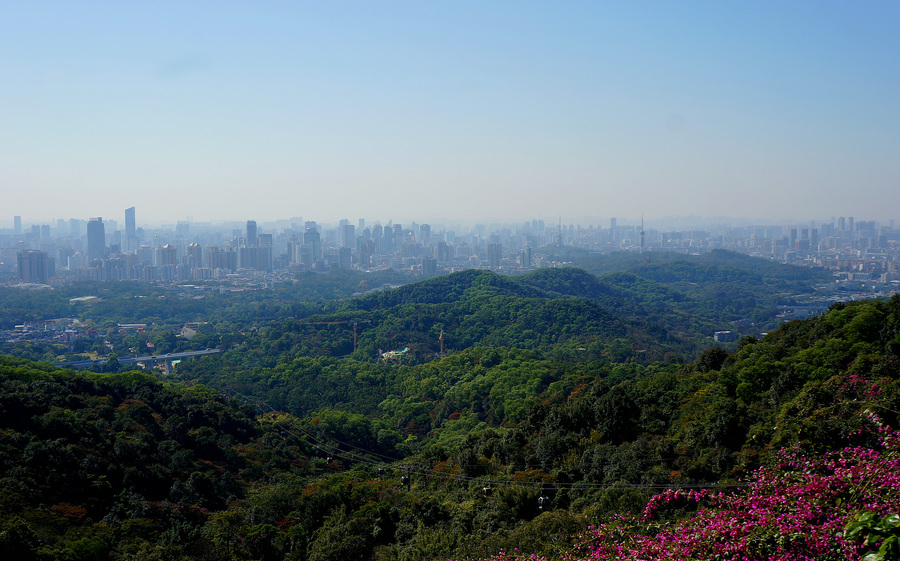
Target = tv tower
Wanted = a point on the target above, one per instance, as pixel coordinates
(642, 232)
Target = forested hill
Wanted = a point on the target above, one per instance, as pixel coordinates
(597, 439)
(93, 466)
(567, 312)
(448, 289)
(474, 308)
(651, 307)
(477, 307)
(714, 288)
(715, 265)
(501, 449)
(660, 304)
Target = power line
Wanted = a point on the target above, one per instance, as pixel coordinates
(364, 456)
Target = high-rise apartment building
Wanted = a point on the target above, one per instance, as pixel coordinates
(264, 252)
(194, 256)
(429, 266)
(167, 255)
(96, 239)
(247, 258)
(494, 254)
(345, 258)
(222, 259)
(442, 252)
(34, 266)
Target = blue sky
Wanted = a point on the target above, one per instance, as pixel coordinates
(431, 111)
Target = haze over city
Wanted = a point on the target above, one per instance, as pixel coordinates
(450, 111)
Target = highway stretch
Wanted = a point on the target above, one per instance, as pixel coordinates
(133, 359)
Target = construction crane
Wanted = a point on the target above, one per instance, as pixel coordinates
(355, 322)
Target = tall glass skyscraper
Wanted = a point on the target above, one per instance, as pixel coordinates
(130, 236)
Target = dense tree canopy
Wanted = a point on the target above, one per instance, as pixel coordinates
(563, 400)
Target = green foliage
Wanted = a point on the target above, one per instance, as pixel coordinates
(124, 466)
(76, 448)
(651, 308)
(878, 532)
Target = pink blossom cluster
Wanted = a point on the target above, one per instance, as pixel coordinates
(854, 384)
(795, 511)
(670, 496)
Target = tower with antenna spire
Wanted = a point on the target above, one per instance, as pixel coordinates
(642, 232)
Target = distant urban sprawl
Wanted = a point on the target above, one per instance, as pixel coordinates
(864, 254)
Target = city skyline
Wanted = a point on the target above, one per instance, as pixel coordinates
(859, 250)
(131, 219)
(440, 112)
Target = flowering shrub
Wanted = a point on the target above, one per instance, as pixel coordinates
(797, 510)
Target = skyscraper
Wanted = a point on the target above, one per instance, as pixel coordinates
(17, 224)
(348, 236)
(96, 239)
(251, 233)
(130, 239)
(313, 241)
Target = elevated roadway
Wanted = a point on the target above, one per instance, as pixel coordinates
(167, 358)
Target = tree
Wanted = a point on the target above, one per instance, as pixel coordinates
(112, 363)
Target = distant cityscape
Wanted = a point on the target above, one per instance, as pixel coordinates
(864, 254)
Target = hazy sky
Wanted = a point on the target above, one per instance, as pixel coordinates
(461, 110)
